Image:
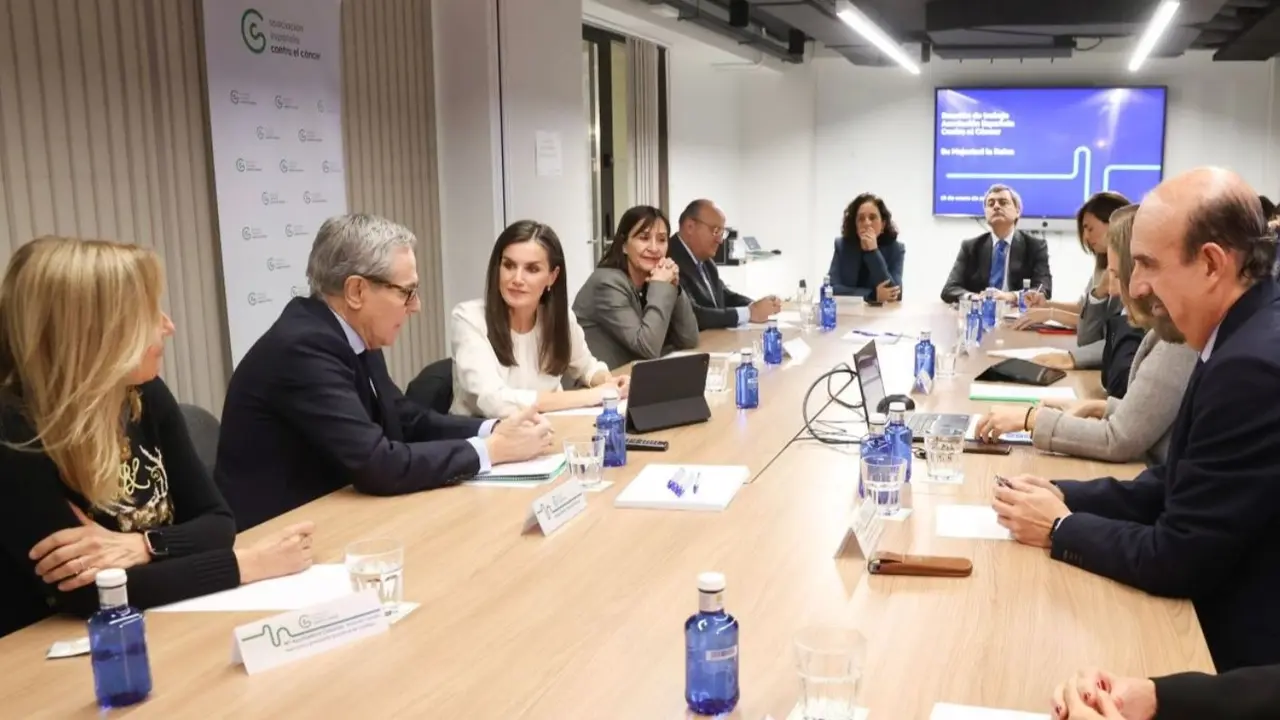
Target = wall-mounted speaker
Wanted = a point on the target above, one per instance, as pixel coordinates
(739, 13)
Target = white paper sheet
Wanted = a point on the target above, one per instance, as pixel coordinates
(969, 521)
(717, 485)
(315, 585)
(1025, 353)
(947, 711)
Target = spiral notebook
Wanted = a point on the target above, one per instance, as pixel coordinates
(538, 471)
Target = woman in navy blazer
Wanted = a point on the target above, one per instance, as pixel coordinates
(867, 261)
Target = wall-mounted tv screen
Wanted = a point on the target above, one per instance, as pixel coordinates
(1055, 146)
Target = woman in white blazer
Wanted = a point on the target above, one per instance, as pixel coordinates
(514, 348)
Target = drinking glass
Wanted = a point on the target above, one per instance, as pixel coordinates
(884, 477)
(947, 363)
(805, 308)
(585, 456)
(829, 660)
(718, 375)
(378, 564)
(944, 451)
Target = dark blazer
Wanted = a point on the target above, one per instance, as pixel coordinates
(713, 306)
(1244, 694)
(622, 323)
(302, 421)
(857, 273)
(1122, 342)
(1204, 525)
(1028, 259)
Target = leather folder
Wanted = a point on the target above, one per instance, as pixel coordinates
(888, 563)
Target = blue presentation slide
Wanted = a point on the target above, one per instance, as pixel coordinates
(1055, 146)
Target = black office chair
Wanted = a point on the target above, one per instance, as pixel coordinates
(203, 428)
(433, 387)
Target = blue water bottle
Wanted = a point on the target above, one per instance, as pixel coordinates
(118, 645)
(1022, 296)
(926, 357)
(747, 390)
(898, 435)
(988, 310)
(772, 343)
(613, 427)
(711, 651)
(827, 306)
(973, 326)
(873, 445)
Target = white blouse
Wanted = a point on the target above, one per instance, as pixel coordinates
(483, 387)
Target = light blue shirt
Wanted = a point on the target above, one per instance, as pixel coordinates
(359, 347)
(744, 313)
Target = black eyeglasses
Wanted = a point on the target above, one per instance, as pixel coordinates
(408, 293)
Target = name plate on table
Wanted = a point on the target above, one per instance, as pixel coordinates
(284, 638)
(863, 536)
(556, 508)
(796, 349)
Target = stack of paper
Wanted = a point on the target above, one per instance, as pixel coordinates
(538, 471)
(697, 487)
(315, 585)
(1009, 392)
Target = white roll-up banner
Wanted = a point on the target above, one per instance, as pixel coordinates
(275, 115)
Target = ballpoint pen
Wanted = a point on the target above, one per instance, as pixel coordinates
(696, 477)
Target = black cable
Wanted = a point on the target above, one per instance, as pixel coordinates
(836, 436)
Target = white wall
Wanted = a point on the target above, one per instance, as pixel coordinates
(542, 91)
(506, 69)
(704, 134)
(468, 143)
(778, 191)
(814, 137)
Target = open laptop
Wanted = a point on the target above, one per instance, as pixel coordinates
(753, 246)
(870, 381)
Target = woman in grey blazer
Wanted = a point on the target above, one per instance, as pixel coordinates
(631, 307)
(1115, 430)
(1096, 305)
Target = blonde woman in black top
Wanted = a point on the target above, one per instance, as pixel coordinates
(99, 471)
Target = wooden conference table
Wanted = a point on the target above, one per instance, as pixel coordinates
(588, 623)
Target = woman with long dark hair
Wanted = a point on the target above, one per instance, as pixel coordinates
(1088, 315)
(513, 349)
(631, 308)
(867, 261)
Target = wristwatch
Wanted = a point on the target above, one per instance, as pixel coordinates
(158, 547)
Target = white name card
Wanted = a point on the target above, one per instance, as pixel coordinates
(863, 536)
(284, 638)
(556, 508)
(796, 349)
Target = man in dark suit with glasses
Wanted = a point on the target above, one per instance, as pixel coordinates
(312, 408)
(692, 249)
